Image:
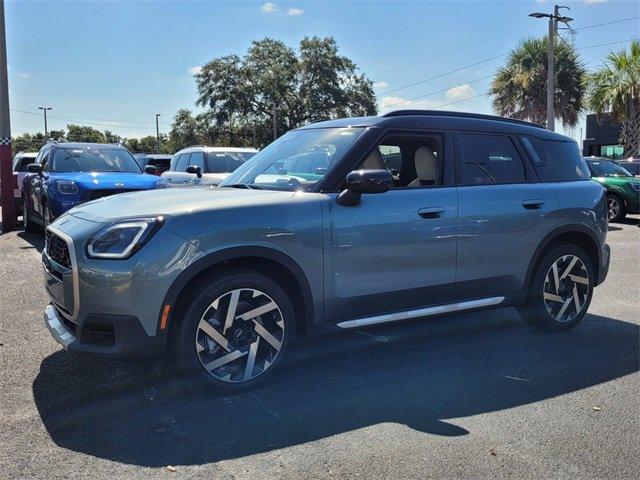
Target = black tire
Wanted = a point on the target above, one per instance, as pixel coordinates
(541, 305)
(616, 208)
(187, 334)
(27, 223)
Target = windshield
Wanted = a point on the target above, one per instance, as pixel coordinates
(607, 169)
(93, 159)
(295, 161)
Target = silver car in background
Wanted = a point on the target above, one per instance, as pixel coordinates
(204, 166)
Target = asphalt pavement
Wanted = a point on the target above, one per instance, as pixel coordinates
(479, 395)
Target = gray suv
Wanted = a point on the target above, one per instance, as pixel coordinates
(337, 225)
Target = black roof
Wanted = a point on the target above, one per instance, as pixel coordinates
(442, 120)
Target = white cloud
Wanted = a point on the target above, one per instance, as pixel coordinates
(194, 70)
(381, 84)
(269, 7)
(460, 92)
(294, 11)
(591, 2)
(387, 104)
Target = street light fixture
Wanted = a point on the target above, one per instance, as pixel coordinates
(46, 132)
(554, 18)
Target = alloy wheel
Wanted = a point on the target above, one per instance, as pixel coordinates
(614, 207)
(240, 335)
(566, 288)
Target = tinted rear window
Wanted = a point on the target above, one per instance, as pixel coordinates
(490, 159)
(226, 162)
(556, 161)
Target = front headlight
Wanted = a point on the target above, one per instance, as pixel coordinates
(67, 187)
(635, 186)
(122, 239)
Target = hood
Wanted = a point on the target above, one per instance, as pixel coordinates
(174, 202)
(105, 180)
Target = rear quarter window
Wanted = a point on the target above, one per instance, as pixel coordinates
(556, 161)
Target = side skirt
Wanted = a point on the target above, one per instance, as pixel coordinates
(422, 312)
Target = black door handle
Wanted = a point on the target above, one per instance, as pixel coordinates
(431, 212)
(532, 203)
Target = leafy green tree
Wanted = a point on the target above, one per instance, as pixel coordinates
(519, 88)
(615, 88)
(111, 137)
(184, 130)
(27, 142)
(311, 84)
(79, 133)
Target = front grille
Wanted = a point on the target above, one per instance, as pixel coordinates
(57, 249)
(95, 194)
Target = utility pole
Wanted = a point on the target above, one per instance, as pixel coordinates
(157, 134)
(6, 175)
(46, 131)
(554, 18)
(551, 88)
(275, 126)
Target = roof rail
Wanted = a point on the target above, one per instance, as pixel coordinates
(194, 146)
(444, 113)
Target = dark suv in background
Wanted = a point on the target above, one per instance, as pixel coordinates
(334, 226)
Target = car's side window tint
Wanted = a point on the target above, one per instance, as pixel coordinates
(556, 161)
(44, 161)
(413, 160)
(489, 159)
(197, 160)
(183, 162)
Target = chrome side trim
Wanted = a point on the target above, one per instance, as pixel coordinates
(74, 269)
(421, 312)
(60, 333)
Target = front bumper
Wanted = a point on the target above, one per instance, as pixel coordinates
(109, 336)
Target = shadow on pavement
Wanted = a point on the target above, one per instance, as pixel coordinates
(420, 374)
(35, 240)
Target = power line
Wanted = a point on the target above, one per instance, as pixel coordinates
(606, 44)
(78, 120)
(606, 23)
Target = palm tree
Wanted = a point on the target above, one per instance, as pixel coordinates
(519, 88)
(615, 88)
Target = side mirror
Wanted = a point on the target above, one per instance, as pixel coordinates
(150, 169)
(364, 181)
(194, 169)
(34, 168)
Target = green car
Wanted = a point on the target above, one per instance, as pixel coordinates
(623, 189)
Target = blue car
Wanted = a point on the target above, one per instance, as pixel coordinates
(67, 174)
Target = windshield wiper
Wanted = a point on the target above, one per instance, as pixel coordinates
(243, 185)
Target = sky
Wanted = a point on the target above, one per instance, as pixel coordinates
(115, 64)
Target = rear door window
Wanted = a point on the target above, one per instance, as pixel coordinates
(556, 161)
(490, 159)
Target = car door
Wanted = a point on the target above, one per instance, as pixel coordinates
(36, 185)
(394, 251)
(504, 213)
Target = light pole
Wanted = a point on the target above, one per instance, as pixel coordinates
(554, 18)
(157, 134)
(46, 132)
(6, 175)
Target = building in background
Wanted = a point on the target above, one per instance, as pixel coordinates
(602, 137)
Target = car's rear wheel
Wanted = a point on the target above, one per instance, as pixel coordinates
(561, 289)
(235, 330)
(616, 208)
(28, 225)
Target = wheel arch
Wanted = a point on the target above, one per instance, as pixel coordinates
(578, 235)
(268, 261)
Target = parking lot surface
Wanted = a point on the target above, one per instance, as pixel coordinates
(471, 396)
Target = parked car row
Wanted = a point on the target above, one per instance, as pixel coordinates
(623, 188)
(334, 226)
(63, 175)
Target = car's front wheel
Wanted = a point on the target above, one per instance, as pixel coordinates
(616, 208)
(561, 289)
(235, 330)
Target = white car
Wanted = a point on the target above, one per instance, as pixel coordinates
(202, 166)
